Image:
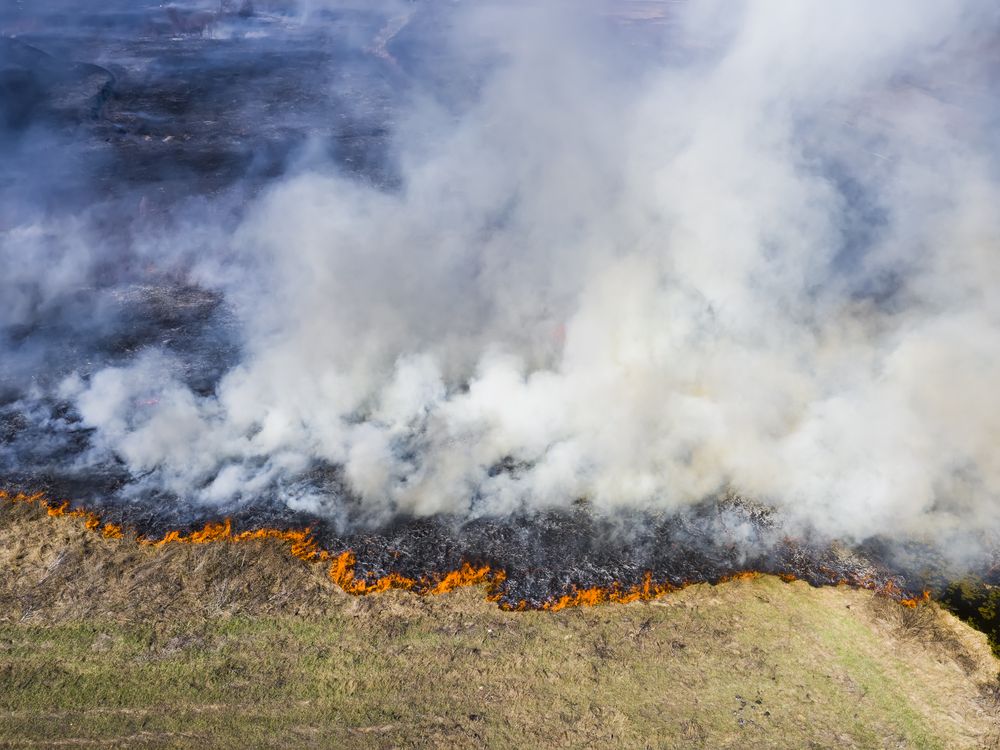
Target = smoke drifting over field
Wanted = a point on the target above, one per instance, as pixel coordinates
(637, 254)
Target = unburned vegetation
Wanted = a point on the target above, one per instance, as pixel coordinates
(104, 643)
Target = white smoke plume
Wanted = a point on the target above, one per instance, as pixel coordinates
(761, 260)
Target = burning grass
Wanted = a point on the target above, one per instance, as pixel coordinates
(108, 643)
(342, 567)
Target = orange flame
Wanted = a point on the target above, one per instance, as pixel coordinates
(303, 546)
(90, 520)
(913, 603)
(615, 594)
(342, 573)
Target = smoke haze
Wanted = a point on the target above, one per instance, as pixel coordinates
(638, 254)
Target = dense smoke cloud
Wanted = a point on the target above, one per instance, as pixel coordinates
(757, 259)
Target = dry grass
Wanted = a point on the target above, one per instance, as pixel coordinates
(105, 644)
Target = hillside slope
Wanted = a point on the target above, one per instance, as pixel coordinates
(105, 643)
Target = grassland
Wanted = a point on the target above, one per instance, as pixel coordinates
(106, 644)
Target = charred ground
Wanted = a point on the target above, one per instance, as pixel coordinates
(154, 109)
(540, 558)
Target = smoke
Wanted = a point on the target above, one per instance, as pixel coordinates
(636, 258)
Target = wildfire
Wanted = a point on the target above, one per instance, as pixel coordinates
(302, 544)
(342, 573)
(615, 594)
(342, 570)
(91, 520)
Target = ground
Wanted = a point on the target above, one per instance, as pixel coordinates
(105, 644)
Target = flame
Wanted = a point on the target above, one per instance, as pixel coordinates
(615, 594)
(342, 570)
(90, 520)
(915, 601)
(302, 544)
(342, 573)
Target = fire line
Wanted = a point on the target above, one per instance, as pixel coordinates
(303, 546)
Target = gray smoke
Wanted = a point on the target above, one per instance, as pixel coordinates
(753, 251)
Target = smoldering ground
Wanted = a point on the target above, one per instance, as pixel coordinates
(476, 262)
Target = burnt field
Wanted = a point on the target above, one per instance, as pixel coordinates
(157, 104)
(186, 101)
(168, 125)
(540, 561)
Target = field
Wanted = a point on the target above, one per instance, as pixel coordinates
(107, 644)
